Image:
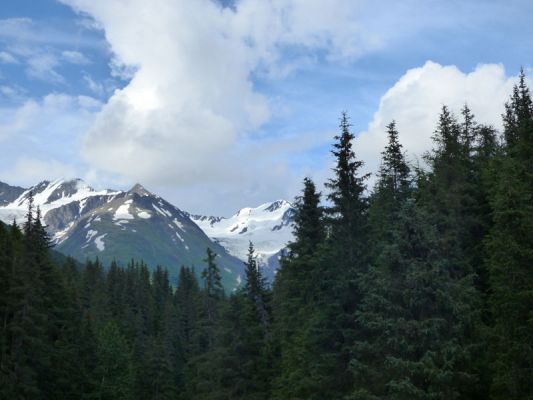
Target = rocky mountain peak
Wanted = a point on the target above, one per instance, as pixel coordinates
(140, 190)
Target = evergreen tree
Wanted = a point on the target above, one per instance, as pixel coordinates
(187, 303)
(421, 291)
(114, 366)
(308, 222)
(27, 325)
(392, 189)
(255, 287)
(510, 252)
(405, 348)
(294, 288)
(199, 369)
(347, 187)
(416, 320)
(237, 366)
(213, 293)
(158, 373)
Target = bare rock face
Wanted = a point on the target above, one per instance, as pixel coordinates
(9, 193)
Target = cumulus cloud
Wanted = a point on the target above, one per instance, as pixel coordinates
(30, 170)
(416, 100)
(45, 119)
(192, 109)
(191, 97)
(40, 137)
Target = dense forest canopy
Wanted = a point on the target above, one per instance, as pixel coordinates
(418, 288)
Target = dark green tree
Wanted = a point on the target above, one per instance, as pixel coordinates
(114, 369)
(392, 189)
(294, 290)
(510, 252)
(256, 289)
(213, 294)
(347, 187)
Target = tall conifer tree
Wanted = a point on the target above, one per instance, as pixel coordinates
(510, 252)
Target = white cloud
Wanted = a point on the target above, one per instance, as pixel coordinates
(40, 137)
(45, 119)
(97, 88)
(41, 48)
(12, 92)
(29, 171)
(416, 100)
(42, 66)
(189, 113)
(39, 33)
(186, 117)
(7, 58)
(191, 98)
(74, 57)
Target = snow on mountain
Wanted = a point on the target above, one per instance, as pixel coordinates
(268, 226)
(119, 225)
(51, 196)
(111, 224)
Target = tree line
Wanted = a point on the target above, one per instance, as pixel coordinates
(418, 288)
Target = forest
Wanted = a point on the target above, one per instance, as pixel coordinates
(419, 287)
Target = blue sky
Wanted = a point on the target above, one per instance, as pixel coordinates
(217, 106)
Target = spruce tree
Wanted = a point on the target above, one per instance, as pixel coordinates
(157, 372)
(27, 326)
(198, 371)
(344, 260)
(255, 287)
(213, 294)
(114, 369)
(392, 189)
(347, 188)
(510, 252)
(187, 303)
(294, 289)
(308, 228)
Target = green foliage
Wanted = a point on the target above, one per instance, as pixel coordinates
(510, 253)
(114, 366)
(421, 289)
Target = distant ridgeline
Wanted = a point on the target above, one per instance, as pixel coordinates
(421, 288)
(136, 224)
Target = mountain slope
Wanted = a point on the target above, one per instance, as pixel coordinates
(116, 225)
(61, 202)
(268, 226)
(9, 193)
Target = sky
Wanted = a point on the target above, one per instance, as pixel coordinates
(218, 105)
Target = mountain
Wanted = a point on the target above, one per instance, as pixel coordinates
(268, 226)
(9, 193)
(121, 225)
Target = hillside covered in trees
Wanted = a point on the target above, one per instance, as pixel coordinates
(419, 288)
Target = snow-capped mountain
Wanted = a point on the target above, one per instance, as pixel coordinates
(61, 203)
(268, 226)
(120, 225)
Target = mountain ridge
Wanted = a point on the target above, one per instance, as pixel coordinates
(120, 225)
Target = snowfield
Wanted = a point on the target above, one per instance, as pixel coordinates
(268, 226)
